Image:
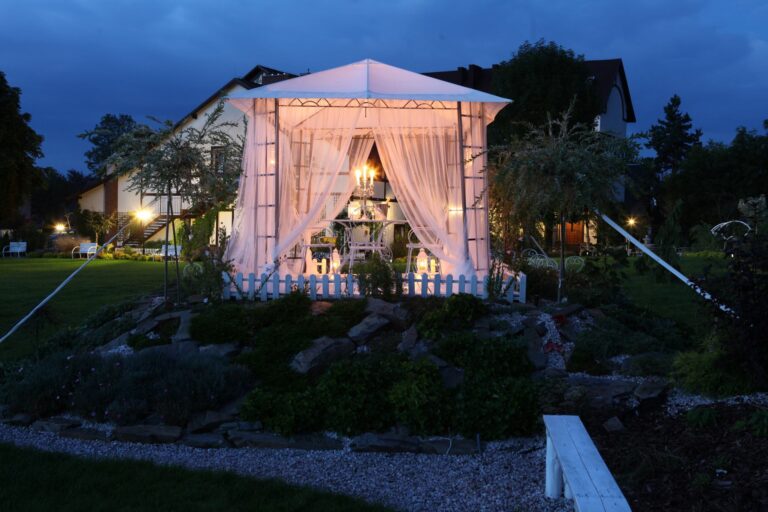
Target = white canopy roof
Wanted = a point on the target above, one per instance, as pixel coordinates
(369, 79)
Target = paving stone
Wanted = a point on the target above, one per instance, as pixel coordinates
(207, 440)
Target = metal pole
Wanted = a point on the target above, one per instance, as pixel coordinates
(660, 261)
(460, 140)
(165, 256)
(175, 256)
(561, 273)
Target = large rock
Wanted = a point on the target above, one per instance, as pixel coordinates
(245, 426)
(408, 340)
(221, 349)
(185, 324)
(56, 424)
(85, 434)
(395, 313)
(651, 389)
(321, 354)
(605, 394)
(267, 440)
(208, 421)
(319, 307)
(19, 420)
(208, 440)
(148, 434)
(369, 326)
(535, 350)
(613, 424)
(387, 443)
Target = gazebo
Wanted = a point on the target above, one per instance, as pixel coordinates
(307, 137)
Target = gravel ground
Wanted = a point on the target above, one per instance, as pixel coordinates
(679, 401)
(508, 476)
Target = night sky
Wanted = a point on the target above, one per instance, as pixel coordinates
(77, 60)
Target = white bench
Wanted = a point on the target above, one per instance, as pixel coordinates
(15, 248)
(86, 249)
(169, 251)
(574, 467)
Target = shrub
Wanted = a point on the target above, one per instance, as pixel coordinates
(495, 357)
(701, 418)
(583, 359)
(459, 311)
(284, 413)
(758, 423)
(376, 277)
(497, 408)
(419, 401)
(355, 394)
(224, 323)
(709, 372)
(652, 363)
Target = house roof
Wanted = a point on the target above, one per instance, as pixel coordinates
(605, 73)
(369, 79)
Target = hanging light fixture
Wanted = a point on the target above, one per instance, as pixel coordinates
(422, 261)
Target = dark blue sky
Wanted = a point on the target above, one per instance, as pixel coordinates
(76, 60)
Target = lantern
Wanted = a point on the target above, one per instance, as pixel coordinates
(335, 261)
(422, 261)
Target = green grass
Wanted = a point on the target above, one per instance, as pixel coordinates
(26, 281)
(671, 298)
(35, 481)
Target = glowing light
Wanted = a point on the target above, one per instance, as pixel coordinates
(422, 261)
(143, 215)
(631, 221)
(335, 261)
(358, 173)
(60, 228)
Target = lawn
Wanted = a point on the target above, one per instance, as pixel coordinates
(26, 281)
(36, 481)
(671, 298)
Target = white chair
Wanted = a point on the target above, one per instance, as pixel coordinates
(15, 249)
(170, 251)
(88, 249)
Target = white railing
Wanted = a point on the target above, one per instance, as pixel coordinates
(336, 286)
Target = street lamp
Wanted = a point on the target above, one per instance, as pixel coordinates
(143, 215)
(60, 228)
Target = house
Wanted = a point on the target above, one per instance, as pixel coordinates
(112, 194)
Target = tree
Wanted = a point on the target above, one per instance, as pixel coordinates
(672, 138)
(562, 168)
(100, 224)
(103, 137)
(56, 194)
(542, 79)
(19, 147)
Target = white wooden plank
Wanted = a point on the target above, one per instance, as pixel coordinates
(437, 281)
(227, 291)
(473, 284)
(462, 283)
(554, 474)
(449, 285)
(350, 285)
(288, 284)
(424, 284)
(275, 286)
(326, 289)
(411, 284)
(337, 286)
(313, 287)
(522, 286)
(239, 281)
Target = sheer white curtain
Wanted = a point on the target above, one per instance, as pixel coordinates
(313, 154)
(247, 250)
(419, 151)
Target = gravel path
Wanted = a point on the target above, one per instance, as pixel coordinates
(507, 476)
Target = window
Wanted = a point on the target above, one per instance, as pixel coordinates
(218, 159)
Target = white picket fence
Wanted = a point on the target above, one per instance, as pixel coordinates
(336, 286)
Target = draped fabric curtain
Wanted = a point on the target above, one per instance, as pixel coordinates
(248, 249)
(420, 155)
(313, 154)
(358, 155)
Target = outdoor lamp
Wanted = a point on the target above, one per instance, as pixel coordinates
(143, 215)
(422, 261)
(335, 261)
(631, 222)
(358, 173)
(59, 227)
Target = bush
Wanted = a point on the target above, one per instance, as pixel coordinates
(459, 311)
(222, 323)
(284, 413)
(495, 357)
(355, 394)
(376, 278)
(419, 401)
(583, 359)
(497, 408)
(701, 418)
(126, 390)
(709, 372)
(652, 363)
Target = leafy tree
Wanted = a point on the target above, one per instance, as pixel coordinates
(167, 158)
(542, 79)
(57, 194)
(559, 167)
(672, 138)
(100, 224)
(103, 137)
(19, 147)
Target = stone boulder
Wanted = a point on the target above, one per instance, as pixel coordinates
(651, 389)
(408, 338)
(268, 440)
(535, 350)
(369, 326)
(207, 440)
(386, 443)
(613, 424)
(321, 354)
(175, 350)
(19, 420)
(208, 421)
(85, 434)
(55, 424)
(395, 313)
(221, 349)
(148, 434)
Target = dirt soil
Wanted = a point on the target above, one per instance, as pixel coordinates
(682, 463)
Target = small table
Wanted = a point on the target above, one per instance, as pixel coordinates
(374, 243)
